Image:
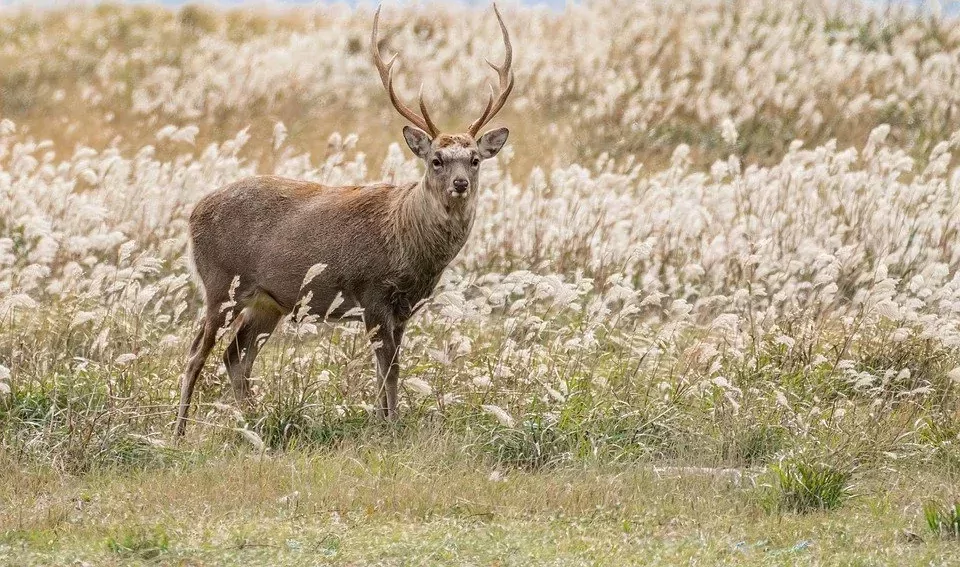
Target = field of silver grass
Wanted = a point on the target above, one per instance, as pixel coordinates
(732, 297)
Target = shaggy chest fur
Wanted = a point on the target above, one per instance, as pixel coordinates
(427, 234)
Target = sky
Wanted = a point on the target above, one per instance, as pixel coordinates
(556, 4)
(552, 3)
(947, 6)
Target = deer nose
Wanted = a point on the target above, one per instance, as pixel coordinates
(460, 185)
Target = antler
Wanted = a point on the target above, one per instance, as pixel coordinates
(386, 76)
(505, 74)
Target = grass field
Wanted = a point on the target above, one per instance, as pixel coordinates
(414, 500)
(709, 312)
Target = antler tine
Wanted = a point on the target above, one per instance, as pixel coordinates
(432, 128)
(479, 122)
(504, 73)
(386, 77)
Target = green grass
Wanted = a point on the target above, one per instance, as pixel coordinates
(943, 521)
(805, 486)
(139, 543)
(417, 499)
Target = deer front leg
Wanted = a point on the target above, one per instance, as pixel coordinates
(388, 374)
(386, 336)
(392, 378)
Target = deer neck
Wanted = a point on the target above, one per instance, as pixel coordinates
(429, 230)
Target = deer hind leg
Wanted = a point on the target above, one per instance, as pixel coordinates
(258, 321)
(199, 352)
(218, 287)
(195, 345)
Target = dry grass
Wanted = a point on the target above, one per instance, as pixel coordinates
(677, 333)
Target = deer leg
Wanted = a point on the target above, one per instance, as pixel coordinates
(256, 327)
(195, 345)
(382, 330)
(199, 352)
(393, 375)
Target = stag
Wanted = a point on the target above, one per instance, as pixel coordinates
(383, 246)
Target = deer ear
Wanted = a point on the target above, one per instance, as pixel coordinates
(492, 142)
(418, 140)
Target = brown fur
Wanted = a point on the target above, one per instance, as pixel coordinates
(384, 246)
(451, 140)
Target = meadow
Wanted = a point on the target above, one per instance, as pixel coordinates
(709, 312)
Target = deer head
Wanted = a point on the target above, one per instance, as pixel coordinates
(452, 160)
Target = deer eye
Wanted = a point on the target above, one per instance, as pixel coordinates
(437, 163)
(475, 162)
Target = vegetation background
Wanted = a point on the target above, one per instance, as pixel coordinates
(709, 311)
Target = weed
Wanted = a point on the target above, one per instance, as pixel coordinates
(800, 486)
(943, 521)
(751, 445)
(534, 444)
(139, 542)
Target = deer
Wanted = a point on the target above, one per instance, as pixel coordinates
(382, 247)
